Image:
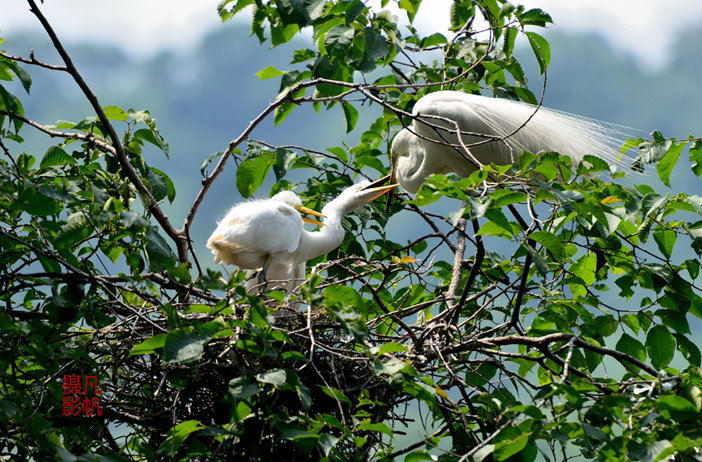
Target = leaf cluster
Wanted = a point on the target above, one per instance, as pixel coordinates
(548, 315)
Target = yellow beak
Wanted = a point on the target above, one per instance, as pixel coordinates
(393, 184)
(380, 190)
(303, 209)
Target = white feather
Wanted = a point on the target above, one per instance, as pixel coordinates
(493, 130)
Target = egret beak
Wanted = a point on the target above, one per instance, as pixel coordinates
(393, 184)
(379, 190)
(391, 194)
(303, 209)
(379, 182)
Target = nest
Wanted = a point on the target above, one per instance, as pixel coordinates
(152, 395)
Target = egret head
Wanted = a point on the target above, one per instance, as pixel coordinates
(407, 157)
(295, 202)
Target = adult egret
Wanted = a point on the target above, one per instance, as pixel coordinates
(254, 234)
(290, 267)
(492, 130)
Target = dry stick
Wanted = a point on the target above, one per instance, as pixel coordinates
(33, 61)
(479, 255)
(542, 343)
(88, 138)
(514, 319)
(457, 265)
(153, 207)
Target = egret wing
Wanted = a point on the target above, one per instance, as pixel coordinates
(250, 233)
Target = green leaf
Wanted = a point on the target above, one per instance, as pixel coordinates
(374, 47)
(410, 6)
(534, 17)
(268, 73)
(651, 151)
(511, 441)
(584, 269)
(667, 163)
(23, 75)
(76, 229)
(276, 377)
(696, 157)
(159, 189)
(389, 367)
(677, 403)
(665, 238)
(433, 40)
(375, 427)
(338, 39)
(481, 375)
(541, 48)
(243, 387)
(660, 345)
(10, 103)
(170, 187)
(177, 436)
(629, 345)
(299, 12)
(689, 350)
(182, 347)
(391, 347)
(351, 115)
(340, 153)
(352, 11)
(502, 197)
(284, 110)
(335, 394)
(327, 442)
(675, 320)
(56, 157)
(238, 6)
(551, 242)
(149, 345)
(152, 136)
(158, 250)
(303, 392)
(496, 216)
(208, 160)
(33, 202)
(251, 174)
(115, 113)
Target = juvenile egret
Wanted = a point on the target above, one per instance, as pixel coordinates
(492, 130)
(291, 266)
(254, 234)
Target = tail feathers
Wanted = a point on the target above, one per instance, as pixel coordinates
(224, 251)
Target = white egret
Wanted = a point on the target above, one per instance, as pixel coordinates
(290, 267)
(492, 130)
(252, 235)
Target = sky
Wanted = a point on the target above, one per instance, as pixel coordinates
(645, 28)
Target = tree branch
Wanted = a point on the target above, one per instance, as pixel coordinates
(178, 237)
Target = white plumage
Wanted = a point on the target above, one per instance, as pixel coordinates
(291, 267)
(255, 233)
(269, 234)
(493, 130)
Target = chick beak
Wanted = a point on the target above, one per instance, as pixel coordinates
(303, 209)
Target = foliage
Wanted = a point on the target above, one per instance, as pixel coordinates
(562, 326)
